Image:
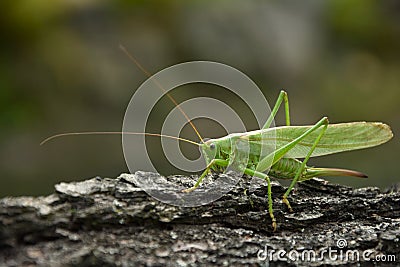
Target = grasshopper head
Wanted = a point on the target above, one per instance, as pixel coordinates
(210, 149)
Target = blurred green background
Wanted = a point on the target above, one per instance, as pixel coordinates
(61, 71)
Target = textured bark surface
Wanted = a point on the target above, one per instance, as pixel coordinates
(112, 222)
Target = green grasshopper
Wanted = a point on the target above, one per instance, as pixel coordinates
(291, 143)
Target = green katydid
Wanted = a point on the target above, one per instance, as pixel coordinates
(291, 143)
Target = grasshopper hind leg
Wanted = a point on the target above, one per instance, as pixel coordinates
(324, 124)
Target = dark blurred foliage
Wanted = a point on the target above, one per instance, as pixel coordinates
(61, 71)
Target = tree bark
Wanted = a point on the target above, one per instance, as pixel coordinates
(113, 222)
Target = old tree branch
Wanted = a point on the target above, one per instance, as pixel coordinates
(113, 222)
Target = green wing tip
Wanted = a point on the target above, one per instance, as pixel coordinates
(386, 128)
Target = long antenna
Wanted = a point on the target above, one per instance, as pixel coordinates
(131, 133)
(162, 88)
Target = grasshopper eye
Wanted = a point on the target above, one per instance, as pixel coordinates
(212, 146)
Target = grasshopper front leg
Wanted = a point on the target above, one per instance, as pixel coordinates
(219, 162)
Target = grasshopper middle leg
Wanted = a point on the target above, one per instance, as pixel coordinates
(282, 97)
(266, 178)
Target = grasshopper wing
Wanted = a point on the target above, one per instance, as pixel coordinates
(337, 138)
